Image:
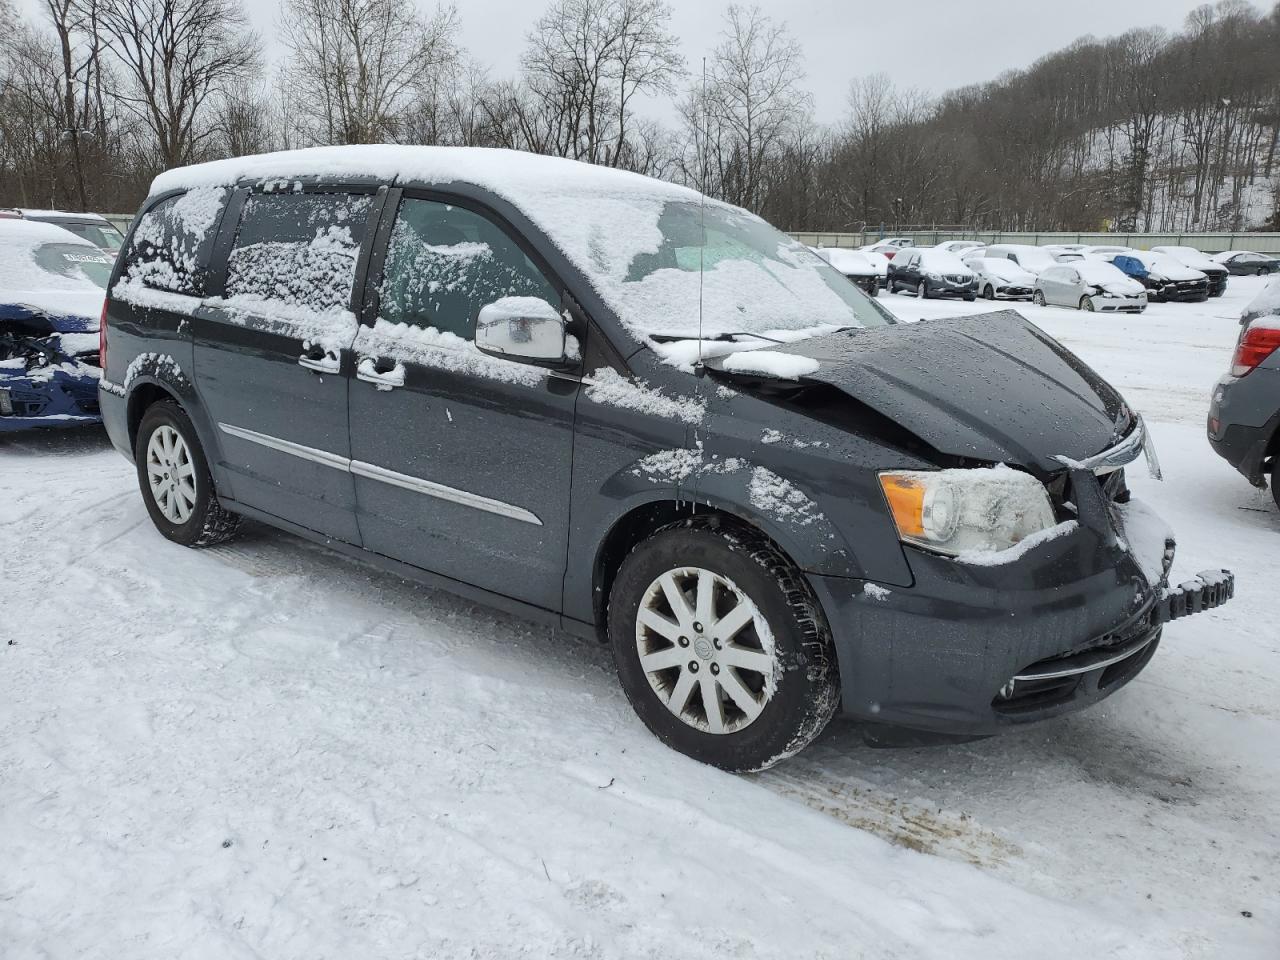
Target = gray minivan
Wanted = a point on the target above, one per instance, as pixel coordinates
(613, 404)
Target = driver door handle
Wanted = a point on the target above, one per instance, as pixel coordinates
(368, 371)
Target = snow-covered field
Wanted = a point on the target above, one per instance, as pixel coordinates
(264, 750)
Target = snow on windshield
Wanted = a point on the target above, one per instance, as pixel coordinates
(747, 276)
(942, 261)
(46, 267)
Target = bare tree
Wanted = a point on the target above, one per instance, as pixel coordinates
(356, 68)
(586, 62)
(179, 57)
(752, 100)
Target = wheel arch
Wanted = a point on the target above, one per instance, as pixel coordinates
(641, 521)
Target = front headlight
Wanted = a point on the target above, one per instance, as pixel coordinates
(957, 511)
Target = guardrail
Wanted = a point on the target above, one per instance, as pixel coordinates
(1268, 243)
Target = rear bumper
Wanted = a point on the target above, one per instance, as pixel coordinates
(1244, 419)
(976, 650)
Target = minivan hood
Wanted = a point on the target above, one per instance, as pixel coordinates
(990, 387)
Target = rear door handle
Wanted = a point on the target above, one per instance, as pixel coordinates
(320, 361)
(368, 371)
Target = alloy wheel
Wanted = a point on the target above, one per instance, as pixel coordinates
(706, 650)
(171, 474)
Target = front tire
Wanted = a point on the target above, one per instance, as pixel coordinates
(1086, 304)
(1038, 298)
(721, 646)
(988, 292)
(1275, 479)
(922, 291)
(173, 475)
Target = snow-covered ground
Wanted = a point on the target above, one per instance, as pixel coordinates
(264, 750)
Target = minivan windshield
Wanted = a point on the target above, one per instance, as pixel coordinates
(746, 278)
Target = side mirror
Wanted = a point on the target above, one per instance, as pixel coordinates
(524, 329)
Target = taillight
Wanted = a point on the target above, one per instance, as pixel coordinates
(1257, 343)
(102, 339)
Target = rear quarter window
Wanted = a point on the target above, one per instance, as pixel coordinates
(170, 246)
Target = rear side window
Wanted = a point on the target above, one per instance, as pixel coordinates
(298, 250)
(170, 246)
(445, 263)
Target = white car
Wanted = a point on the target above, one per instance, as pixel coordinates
(1089, 285)
(1032, 259)
(1057, 249)
(1001, 279)
(855, 265)
(961, 248)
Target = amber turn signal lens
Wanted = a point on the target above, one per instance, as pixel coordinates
(905, 496)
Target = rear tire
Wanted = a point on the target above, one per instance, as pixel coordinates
(767, 680)
(1038, 299)
(173, 475)
(1275, 479)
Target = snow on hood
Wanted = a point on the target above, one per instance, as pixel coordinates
(628, 234)
(1102, 274)
(1165, 266)
(1004, 269)
(26, 283)
(1191, 257)
(849, 262)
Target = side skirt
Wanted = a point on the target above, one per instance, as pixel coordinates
(407, 571)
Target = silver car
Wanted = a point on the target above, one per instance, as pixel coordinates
(1089, 285)
(1001, 279)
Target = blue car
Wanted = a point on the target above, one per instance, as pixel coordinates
(52, 286)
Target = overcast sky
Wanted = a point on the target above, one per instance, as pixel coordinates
(941, 44)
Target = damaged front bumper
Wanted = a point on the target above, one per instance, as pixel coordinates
(1209, 589)
(971, 650)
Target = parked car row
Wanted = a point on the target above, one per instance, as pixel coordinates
(1106, 277)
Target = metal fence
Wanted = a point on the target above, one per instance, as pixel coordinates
(1208, 242)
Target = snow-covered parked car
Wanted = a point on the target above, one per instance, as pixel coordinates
(961, 248)
(1001, 279)
(52, 286)
(613, 405)
(928, 272)
(1193, 258)
(882, 249)
(1089, 285)
(93, 227)
(1163, 276)
(1029, 258)
(856, 266)
(1244, 414)
(1247, 263)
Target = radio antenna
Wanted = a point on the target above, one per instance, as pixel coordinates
(702, 203)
